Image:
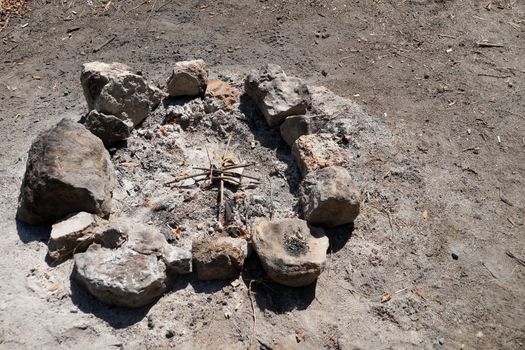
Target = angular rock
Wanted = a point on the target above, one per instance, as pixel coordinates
(121, 276)
(294, 127)
(277, 95)
(177, 260)
(317, 151)
(189, 78)
(329, 197)
(113, 89)
(68, 170)
(108, 128)
(223, 92)
(291, 252)
(70, 235)
(218, 259)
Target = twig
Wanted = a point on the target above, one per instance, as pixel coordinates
(446, 36)
(494, 75)
(518, 260)
(488, 44)
(185, 178)
(104, 44)
(139, 5)
(253, 312)
(485, 266)
(221, 195)
(271, 198)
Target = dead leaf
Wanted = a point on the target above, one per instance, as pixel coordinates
(386, 298)
(177, 232)
(425, 214)
(129, 164)
(183, 173)
(54, 287)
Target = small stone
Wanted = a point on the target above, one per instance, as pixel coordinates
(329, 197)
(291, 252)
(455, 256)
(108, 128)
(294, 127)
(317, 151)
(189, 78)
(177, 259)
(170, 333)
(218, 259)
(277, 95)
(71, 235)
(223, 92)
(121, 277)
(68, 170)
(113, 89)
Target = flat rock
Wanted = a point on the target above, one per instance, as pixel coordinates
(108, 128)
(223, 92)
(121, 277)
(189, 78)
(329, 197)
(294, 127)
(291, 252)
(70, 235)
(219, 258)
(277, 95)
(68, 170)
(112, 88)
(317, 151)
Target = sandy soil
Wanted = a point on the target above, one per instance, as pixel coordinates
(444, 214)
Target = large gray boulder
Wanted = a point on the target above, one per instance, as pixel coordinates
(112, 88)
(121, 277)
(329, 197)
(188, 78)
(68, 170)
(291, 252)
(108, 128)
(277, 95)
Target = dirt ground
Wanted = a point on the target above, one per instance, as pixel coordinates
(434, 258)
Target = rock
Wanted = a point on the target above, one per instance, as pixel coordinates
(113, 89)
(277, 95)
(108, 128)
(218, 259)
(70, 235)
(294, 127)
(68, 170)
(189, 78)
(145, 240)
(329, 197)
(291, 252)
(317, 151)
(223, 92)
(121, 276)
(177, 260)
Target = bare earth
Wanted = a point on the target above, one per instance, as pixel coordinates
(441, 232)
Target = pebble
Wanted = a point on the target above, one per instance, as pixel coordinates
(455, 256)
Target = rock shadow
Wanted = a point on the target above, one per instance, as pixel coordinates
(117, 317)
(272, 296)
(270, 138)
(208, 287)
(31, 233)
(339, 236)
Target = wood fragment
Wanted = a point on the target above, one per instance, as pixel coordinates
(494, 75)
(104, 44)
